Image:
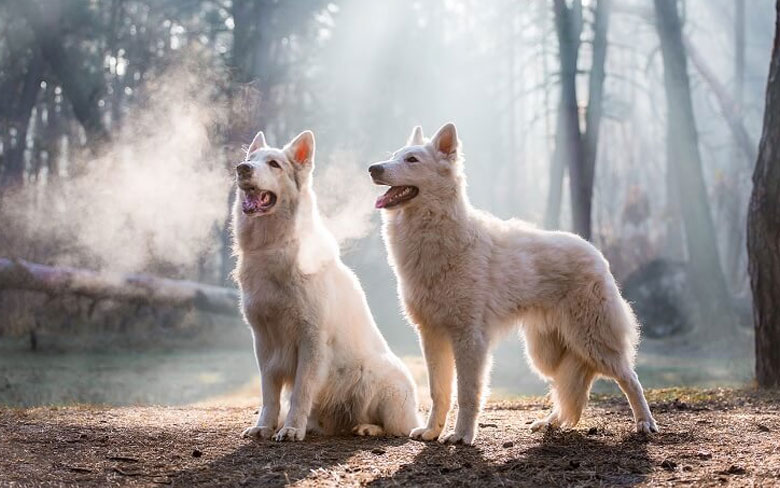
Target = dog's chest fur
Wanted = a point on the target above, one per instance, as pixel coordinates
(437, 272)
(275, 299)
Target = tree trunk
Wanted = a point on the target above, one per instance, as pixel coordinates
(572, 146)
(739, 52)
(568, 26)
(594, 112)
(21, 110)
(552, 213)
(736, 248)
(763, 231)
(135, 288)
(82, 88)
(685, 169)
(744, 156)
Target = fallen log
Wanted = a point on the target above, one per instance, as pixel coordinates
(134, 288)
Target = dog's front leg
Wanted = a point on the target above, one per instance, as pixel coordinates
(438, 356)
(471, 359)
(271, 386)
(304, 387)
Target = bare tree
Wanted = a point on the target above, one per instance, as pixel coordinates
(686, 178)
(763, 231)
(25, 95)
(573, 146)
(593, 118)
(82, 87)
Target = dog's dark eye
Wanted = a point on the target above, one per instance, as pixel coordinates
(272, 163)
(411, 159)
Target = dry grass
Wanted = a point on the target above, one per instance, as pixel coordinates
(711, 437)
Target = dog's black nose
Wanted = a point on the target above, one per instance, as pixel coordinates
(244, 170)
(376, 170)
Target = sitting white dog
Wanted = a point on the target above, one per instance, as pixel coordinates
(312, 329)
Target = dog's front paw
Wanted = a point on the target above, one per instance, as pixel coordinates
(549, 422)
(424, 434)
(457, 437)
(368, 430)
(258, 432)
(646, 426)
(543, 425)
(290, 434)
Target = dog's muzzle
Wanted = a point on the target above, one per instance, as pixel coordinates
(376, 170)
(244, 170)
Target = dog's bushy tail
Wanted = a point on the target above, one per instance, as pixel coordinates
(624, 322)
(610, 338)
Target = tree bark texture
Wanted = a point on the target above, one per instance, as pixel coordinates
(763, 231)
(574, 148)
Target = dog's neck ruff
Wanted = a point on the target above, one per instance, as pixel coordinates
(264, 233)
(298, 233)
(454, 207)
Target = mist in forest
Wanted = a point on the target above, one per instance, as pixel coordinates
(153, 193)
(121, 157)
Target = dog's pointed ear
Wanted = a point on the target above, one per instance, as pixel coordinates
(257, 143)
(301, 149)
(416, 138)
(446, 141)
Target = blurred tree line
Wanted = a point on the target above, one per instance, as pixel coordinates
(72, 69)
(579, 98)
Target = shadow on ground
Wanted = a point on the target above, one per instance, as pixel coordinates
(268, 463)
(560, 458)
(716, 437)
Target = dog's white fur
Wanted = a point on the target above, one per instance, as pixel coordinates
(312, 329)
(465, 277)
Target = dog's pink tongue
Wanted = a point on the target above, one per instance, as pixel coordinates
(251, 203)
(385, 199)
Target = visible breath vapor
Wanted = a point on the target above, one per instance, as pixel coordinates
(346, 197)
(152, 196)
(156, 195)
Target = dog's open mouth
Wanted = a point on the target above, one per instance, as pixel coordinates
(396, 195)
(257, 202)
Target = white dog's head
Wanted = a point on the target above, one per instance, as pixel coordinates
(423, 172)
(271, 179)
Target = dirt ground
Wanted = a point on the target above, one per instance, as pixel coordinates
(708, 438)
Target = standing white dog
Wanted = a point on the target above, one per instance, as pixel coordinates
(312, 329)
(465, 277)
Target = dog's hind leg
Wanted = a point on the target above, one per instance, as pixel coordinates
(399, 415)
(544, 350)
(402, 422)
(368, 430)
(571, 386)
(612, 355)
(629, 382)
